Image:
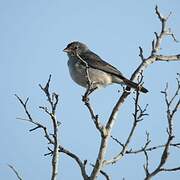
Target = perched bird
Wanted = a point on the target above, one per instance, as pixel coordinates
(86, 68)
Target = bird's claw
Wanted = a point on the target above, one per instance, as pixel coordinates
(85, 98)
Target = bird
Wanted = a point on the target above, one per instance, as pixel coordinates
(88, 69)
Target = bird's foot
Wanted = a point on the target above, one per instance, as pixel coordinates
(85, 98)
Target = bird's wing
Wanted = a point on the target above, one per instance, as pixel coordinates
(96, 62)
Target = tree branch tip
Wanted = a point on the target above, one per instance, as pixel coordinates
(59, 123)
(50, 76)
(15, 171)
(33, 129)
(148, 142)
(46, 88)
(147, 134)
(145, 114)
(170, 13)
(42, 107)
(174, 38)
(156, 34)
(54, 94)
(171, 169)
(157, 11)
(139, 120)
(47, 154)
(16, 95)
(49, 79)
(20, 100)
(156, 7)
(153, 46)
(40, 86)
(140, 48)
(26, 101)
(49, 149)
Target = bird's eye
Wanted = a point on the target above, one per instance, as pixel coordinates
(75, 47)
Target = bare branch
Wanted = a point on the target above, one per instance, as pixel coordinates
(168, 58)
(46, 90)
(77, 159)
(146, 165)
(170, 113)
(107, 177)
(50, 152)
(141, 53)
(111, 121)
(164, 32)
(101, 155)
(15, 172)
(177, 90)
(52, 98)
(172, 169)
(173, 36)
(94, 117)
(177, 145)
(53, 101)
(138, 114)
(24, 104)
(38, 125)
(105, 130)
(117, 141)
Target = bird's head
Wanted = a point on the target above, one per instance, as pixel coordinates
(75, 48)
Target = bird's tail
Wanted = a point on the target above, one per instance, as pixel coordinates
(134, 85)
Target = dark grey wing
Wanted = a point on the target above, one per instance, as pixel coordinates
(96, 62)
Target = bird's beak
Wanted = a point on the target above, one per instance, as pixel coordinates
(66, 50)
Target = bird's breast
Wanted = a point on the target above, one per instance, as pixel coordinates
(78, 73)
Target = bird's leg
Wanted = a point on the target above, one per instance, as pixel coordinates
(85, 97)
(92, 90)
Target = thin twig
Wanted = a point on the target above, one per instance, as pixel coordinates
(146, 165)
(117, 141)
(137, 116)
(77, 159)
(171, 169)
(141, 53)
(15, 172)
(53, 101)
(164, 31)
(177, 145)
(170, 114)
(38, 125)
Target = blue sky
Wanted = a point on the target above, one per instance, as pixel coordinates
(33, 35)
